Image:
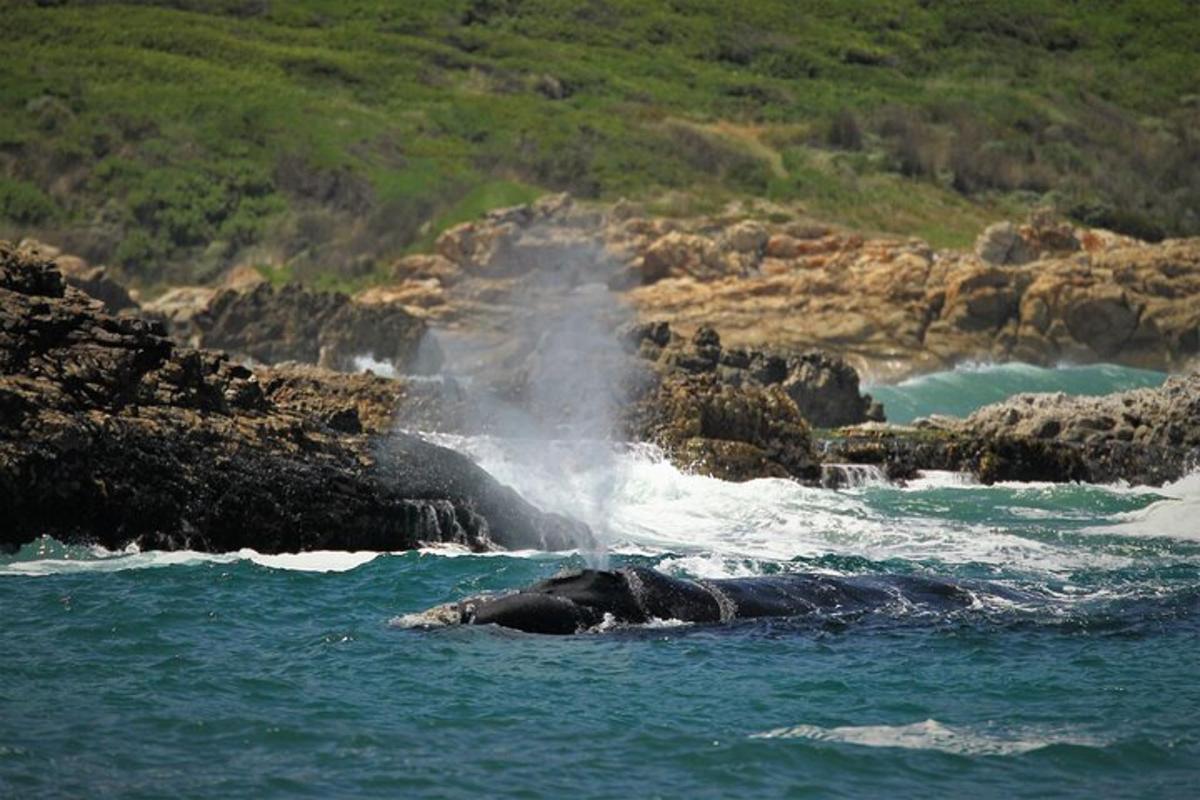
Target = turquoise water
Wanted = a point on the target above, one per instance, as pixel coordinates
(959, 392)
(240, 675)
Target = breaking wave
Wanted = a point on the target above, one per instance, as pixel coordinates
(960, 391)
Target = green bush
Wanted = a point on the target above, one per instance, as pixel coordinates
(25, 204)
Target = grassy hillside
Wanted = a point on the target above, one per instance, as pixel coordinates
(172, 139)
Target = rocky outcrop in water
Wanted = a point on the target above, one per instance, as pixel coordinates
(112, 433)
(732, 433)
(1164, 417)
(734, 414)
(739, 414)
(1143, 436)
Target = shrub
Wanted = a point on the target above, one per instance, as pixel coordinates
(25, 204)
(913, 144)
(845, 133)
(140, 253)
(723, 160)
(1101, 214)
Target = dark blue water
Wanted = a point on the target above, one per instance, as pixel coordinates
(151, 675)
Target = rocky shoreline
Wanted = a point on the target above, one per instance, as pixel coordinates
(1041, 292)
(123, 424)
(114, 434)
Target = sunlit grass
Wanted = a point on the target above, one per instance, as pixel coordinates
(169, 140)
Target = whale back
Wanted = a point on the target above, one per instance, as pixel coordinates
(567, 603)
(575, 601)
(664, 597)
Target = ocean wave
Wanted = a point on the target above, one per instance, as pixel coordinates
(645, 502)
(62, 560)
(971, 385)
(708, 528)
(1176, 515)
(933, 735)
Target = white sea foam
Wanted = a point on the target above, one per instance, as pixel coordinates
(1176, 515)
(724, 528)
(711, 566)
(933, 735)
(453, 550)
(316, 561)
(941, 479)
(98, 559)
(368, 363)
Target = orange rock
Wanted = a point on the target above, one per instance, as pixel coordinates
(783, 246)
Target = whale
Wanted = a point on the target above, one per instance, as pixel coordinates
(581, 600)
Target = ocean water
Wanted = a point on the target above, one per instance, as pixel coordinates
(960, 391)
(241, 675)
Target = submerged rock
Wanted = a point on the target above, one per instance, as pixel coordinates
(114, 434)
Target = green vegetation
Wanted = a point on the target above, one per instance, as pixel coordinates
(173, 139)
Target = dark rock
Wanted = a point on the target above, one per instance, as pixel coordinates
(735, 358)
(824, 388)
(325, 328)
(633, 335)
(96, 282)
(114, 434)
(733, 413)
(768, 369)
(731, 433)
(694, 362)
(1144, 436)
(705, 337)
(826, 391)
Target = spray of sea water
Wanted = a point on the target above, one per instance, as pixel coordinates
(550, 398)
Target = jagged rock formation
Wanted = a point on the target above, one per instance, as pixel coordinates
(112, 433)
(92, 280)
(325, 328)
(1041, 292)
(1165, 417)
(1144, 436)
(734, 414)
(825, 389)
(732, 433)
(897, 308)
(739, 414)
